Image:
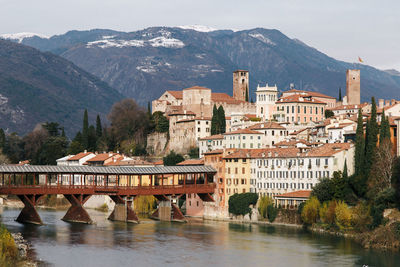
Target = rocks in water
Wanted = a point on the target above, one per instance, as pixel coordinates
(21, 244)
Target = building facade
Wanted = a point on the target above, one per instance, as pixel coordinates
(265, 101)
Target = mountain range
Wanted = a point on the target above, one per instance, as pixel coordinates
(143, 64)
(40, 87)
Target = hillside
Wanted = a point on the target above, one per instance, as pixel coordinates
(38, 87)
(142, 64)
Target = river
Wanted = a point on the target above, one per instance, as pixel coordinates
(197, 243)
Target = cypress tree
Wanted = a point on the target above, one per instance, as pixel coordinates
(345, 175)
(221, 120)
(247, 94)
(214, 120)
(360, 145)
(2, 139)
(99, 128)
(85, 130)
(372, 139)
(384, 132)
(340, 93)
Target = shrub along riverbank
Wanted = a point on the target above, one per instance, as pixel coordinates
(8, 249)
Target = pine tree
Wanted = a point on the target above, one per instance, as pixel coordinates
(221, 120)
(372, 138)
(214, 120)
(99, 128)
(340, 93)
(85, 130)
(62, 132)
(247, 94)
(360, 145)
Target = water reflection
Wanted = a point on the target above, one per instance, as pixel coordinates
(193, 244)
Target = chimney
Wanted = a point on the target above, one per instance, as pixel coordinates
(381, 103)
(85, 151)
(393, 101)
(387, 103)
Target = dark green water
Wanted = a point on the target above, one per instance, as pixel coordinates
(196, 243)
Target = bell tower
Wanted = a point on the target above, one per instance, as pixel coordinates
(353, 87)
(241, 85)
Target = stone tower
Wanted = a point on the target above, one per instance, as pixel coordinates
(353, 87)
(240, 84)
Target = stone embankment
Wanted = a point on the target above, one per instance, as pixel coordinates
(23, 249)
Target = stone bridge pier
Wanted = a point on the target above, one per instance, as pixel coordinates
(167, 210)
(123, 210)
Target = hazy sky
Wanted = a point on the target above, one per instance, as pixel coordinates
(343, 29)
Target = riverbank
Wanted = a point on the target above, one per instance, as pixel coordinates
(385, 237)
(14, 249)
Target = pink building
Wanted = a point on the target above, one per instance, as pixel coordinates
(300, 109)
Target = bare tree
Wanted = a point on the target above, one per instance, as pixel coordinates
(129, 121)
(3, 158)
(382, 168)
(33, 141)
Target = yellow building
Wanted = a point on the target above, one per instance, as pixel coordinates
(237, 173)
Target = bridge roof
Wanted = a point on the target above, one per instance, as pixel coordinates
(105, 170)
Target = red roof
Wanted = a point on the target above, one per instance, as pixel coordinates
(243, 131)
(225, 98)
(267, 125)
(191, 162)
(102, 157)
(213, 137)
(176, 94)
(296, 194)
(216, 151)
(196, 87)
(299, 99)
(310, 93)
(80, 155)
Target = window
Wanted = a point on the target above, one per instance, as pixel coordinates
(236, 170)
(326, 161)
(298, 109)
(273, 133)
(198, 130)
(305, 110)
(243, 171)
(292, 109)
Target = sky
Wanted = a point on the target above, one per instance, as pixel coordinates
(343, 29)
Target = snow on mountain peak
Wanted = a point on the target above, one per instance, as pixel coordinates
(21, 36)
(198, 28)
(262, 38)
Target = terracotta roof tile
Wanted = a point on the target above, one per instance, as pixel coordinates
(103, 157)
(213, 137)
(196, 87)
(243, 131)
(216, 151)
(80, 155)
(310, 93)
(296, 194)
(267, 125)
(192, 162)
(346, 107)
(176, 94)
(299, 99)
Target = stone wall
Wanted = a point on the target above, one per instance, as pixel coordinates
(157, 143)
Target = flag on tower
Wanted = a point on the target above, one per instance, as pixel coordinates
(359, 59)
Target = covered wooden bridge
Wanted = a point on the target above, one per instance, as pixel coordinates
(78, 183)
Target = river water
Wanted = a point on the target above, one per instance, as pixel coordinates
(197, 243)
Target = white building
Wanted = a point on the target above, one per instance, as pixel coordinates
(244, 138)
(276, 171)
(272, 133)
(210, 143)
(265, 102)
(339, 130)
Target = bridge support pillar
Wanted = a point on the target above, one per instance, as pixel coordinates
(28, 213)
(167, 211)
(123, 210)
(76, 213)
